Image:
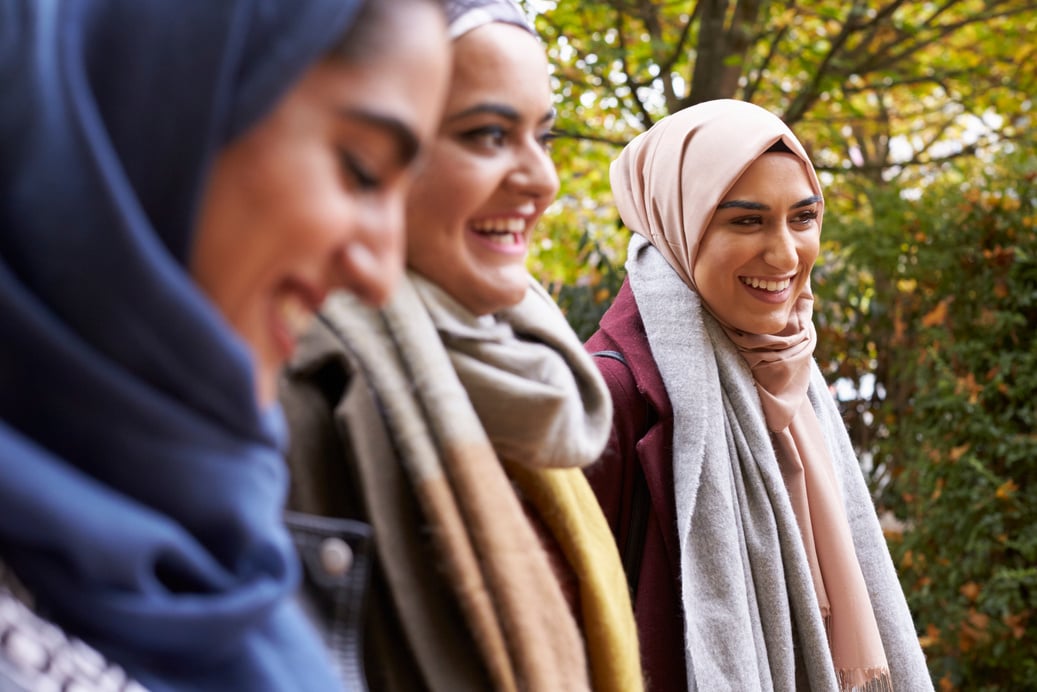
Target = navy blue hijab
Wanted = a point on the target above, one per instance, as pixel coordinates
(141, 485)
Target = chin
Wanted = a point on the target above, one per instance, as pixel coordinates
(489, 304)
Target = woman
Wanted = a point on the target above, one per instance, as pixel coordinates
(178, 183)
(455, 420)
(729, 479)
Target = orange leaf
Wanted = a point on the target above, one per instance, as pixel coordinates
(937, 315)
(1006, 490)
(973, 630)
(968, 385)
(970, 590)
(1016, 623)
(899, 328)
(931, 636)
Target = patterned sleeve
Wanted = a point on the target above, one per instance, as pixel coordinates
(36, 656)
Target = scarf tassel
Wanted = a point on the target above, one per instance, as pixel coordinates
(865, 680)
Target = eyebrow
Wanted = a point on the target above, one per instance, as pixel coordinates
(407, 142)
(499, 109)
(756, 206)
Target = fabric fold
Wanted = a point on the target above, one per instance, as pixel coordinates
(494, 562)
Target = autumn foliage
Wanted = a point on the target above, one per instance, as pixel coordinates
(943, 320)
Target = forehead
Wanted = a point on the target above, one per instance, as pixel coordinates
(497, 60)
(771, 174)
(404, 82)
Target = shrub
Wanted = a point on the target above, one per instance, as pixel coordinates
(943, 317)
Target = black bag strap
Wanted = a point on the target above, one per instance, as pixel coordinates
(633, 548)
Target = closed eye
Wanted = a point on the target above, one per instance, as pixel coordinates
(356, 174)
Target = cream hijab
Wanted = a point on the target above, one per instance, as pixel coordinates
(667, 184)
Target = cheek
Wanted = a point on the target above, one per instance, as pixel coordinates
(304, 223)
(439, 205)
(455, 184)
(717, 255)
(427, 202)
(809, 250)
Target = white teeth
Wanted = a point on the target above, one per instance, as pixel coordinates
(772, 286)
(502, 238)
(502, 225)
(295, 314)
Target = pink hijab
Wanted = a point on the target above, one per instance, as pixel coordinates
(667, 184)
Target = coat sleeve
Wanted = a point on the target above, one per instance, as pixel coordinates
(612, 477)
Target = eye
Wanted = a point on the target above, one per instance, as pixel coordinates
(805, 218)
(753, 220)
(357, 175)
(490, 136)
(546, 138)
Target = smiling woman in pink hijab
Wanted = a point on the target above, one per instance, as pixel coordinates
(747, 531)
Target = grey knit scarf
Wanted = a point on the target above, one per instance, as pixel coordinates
(752, 621)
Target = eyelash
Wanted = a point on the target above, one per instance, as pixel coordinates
(357, 172)
(807, 216)
(495, 135)
(488, 135)
(803, 218)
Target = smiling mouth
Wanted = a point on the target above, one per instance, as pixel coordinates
(504, 231)
(765, 285)
(295, 315)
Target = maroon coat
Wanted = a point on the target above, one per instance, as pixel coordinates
(642, 435)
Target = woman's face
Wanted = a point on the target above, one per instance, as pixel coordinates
(311, 198)
(755, 256)
(489, 177)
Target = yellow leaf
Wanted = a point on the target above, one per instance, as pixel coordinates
(906, 285)
(957, 452)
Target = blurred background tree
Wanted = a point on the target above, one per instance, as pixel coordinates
(919, 118)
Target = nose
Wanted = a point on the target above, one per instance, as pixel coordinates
(534, 172)
(781, 252)
(371, 259)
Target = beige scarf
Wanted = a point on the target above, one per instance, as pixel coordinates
(667, 183)
(456, 391)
